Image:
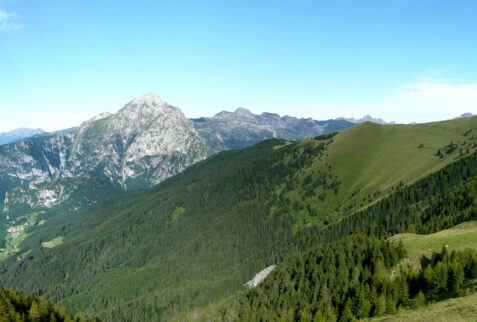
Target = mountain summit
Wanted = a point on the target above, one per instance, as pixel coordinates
(142, 144)
(151, 99)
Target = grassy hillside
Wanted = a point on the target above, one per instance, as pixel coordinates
(461, 309)
(373, 156)
(458, 238)
(199, 236)
(368, 160)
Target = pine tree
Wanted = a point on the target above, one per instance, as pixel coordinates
(456, 278)
(427, 276)
(439, 278)
(390, 305)
(379, 307)
(34, 313)
(419, 300)
(347, 315)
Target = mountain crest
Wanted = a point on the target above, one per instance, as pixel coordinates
(243, 111)
(151, 99)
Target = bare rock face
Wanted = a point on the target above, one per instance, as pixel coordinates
(144, 143)
(242, 128)
(70, 194)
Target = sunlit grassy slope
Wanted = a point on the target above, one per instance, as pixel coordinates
(370, 159)
(455, 310)
(458, 238)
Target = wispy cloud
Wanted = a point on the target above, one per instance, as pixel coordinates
(6, 23)
(429, 99)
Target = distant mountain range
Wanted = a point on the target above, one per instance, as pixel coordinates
(242, 128)
(18, 135)
(144, 143)
(465, 115)
(366, 118)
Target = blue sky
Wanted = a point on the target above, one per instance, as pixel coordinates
(62, 62)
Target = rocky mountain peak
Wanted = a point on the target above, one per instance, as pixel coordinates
(239, 114)
(243, 111)
(151, 99)
(147, 107)
(465, 115)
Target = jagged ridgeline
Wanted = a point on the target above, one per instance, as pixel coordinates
(201, 235)
(144, 143)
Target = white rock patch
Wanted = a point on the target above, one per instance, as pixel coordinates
(259, 277)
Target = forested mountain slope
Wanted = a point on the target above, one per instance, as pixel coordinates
(334, 283)
(347, 280)
(141, 145)
(29, 208)
(200, 235)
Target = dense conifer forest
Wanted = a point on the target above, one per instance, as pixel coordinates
(17, 307)
(354, 278)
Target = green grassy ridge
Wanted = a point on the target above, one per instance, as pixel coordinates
(372, 157)
(160, 267)
(439, 201)
(462, 309)
(457, 238)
